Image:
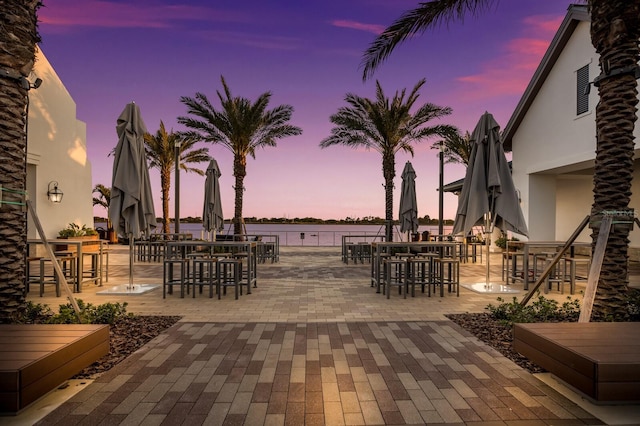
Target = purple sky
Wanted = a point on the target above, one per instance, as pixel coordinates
(307, 53)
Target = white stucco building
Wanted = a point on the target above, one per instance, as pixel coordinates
(552, 134)
(56, 152)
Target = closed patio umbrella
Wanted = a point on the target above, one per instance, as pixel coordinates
(408, 206)
(488, 197)
(212, 218)
(131, 208)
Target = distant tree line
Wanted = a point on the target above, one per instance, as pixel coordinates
(370, 220)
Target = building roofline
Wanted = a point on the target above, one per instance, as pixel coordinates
(576, 13)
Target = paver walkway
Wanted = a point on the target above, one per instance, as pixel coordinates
(313, 344)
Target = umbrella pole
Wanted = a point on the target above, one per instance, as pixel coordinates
(488, 239)
(130, 287)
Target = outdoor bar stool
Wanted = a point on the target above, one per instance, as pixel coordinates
(421, 271)
(94, 271)
(203, 273)
(347, 248)
(353, 252)
(168, 278)
(515, 267)
(228, 271)
(377, 271)
(141, 249)
(396, 270)
(156, 250)
(31, 275)
(364, 252)
(268, 251)
(244, 273)
(571, 263)
(265, 250)
(447, 273)
(506, 259)
(556, 275)
(67, 261)
(105, 262)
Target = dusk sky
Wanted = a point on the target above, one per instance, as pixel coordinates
(308, 54)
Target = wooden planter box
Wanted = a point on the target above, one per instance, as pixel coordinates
(86, 248)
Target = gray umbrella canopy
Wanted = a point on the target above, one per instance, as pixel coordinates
(408, 206)
(212, 218)
(488, 188)
(131, 207)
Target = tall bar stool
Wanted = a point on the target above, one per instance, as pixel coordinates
(378, 271)
(556, 275)
(169, 279)
(105, 263)
(203, 273)
(515, 267)
(421, 271)
(364, 252)
(245, 277)
(571, 263)
(93, 272)
(228, 271)
(32, 276)
(447, 273)
(67, 262)
(395, 273)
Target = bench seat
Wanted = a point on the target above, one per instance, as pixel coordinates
(601, 359)
(37, 358)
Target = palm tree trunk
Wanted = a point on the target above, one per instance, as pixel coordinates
(165, 184)
(18, 39)
(389, 172)
(615, 29)
(239, 172)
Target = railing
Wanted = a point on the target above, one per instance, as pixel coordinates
(324, 238)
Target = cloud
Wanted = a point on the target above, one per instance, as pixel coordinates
(371, 28)
(100, 13)
(510, 71)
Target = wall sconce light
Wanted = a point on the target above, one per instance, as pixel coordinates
(53, 193)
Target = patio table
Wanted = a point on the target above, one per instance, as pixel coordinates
(79, 244)
(452, 249)
(527, 247)
(347, 243)
(182, 248)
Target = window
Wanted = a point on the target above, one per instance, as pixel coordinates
(582, 77)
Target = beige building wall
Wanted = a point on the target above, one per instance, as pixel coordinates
(554, 149)
(56, 151)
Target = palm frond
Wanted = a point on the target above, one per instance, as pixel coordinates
(427, 15)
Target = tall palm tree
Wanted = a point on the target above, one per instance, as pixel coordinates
(161, 153)
(456, 148)
(240, 126)
(615, 31)
(103, 199)
(18, 39)
(386, 126)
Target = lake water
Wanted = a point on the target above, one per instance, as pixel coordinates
(307, 234)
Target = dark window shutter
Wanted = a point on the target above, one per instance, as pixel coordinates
(582, 97)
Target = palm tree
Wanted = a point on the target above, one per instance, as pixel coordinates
(615, 30)
(18, 39)
(386, 126)
(456, 148)
(103, 199)
(160, 150)
(240, 126)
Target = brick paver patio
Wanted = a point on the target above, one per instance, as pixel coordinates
(312, 344)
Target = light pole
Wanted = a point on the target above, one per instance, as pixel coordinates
(440, 194)
(177, 209)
